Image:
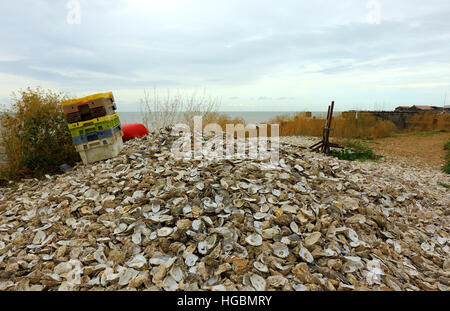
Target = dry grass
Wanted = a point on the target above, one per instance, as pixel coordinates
(159, 111)
(426, 122)
(162, 110)
(222, 120)
(343, 126)
(363, 126)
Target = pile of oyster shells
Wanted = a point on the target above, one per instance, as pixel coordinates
(147, 221)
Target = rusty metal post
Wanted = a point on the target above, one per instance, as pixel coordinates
(324, 145)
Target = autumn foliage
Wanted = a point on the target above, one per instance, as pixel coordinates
(34, 135)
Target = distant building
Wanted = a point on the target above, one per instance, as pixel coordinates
(419, 108)
(402, 108)
(424, 108)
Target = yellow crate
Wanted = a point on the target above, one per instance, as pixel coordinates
(90, 122)
(87, 98)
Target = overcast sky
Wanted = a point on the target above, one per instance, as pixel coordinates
(254, 55)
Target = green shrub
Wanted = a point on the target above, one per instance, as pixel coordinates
(34, 134)
(356, 150)
(447, 145)
(447, 167)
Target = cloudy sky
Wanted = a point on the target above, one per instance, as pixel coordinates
(254, 55)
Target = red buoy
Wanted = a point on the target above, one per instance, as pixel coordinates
(134, 130)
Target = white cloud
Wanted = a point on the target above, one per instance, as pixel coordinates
(310, 51)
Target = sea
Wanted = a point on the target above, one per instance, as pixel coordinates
(248, 116)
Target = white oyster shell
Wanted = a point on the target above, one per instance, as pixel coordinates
(254, 239)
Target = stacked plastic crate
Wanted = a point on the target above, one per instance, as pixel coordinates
(95, 126)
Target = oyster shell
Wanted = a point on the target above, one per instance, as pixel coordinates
(254, 239)
(260, 266)
(146, 221)
(190, 260)
(137, 262)
(312, 239)
(280, 250)
(305, 255)
(176, 273)
(170, 284)
(258, 282)
(165, 231)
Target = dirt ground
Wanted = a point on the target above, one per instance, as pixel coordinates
(422, 150)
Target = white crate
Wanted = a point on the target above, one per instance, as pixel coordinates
(98, 142)
(101, 149)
